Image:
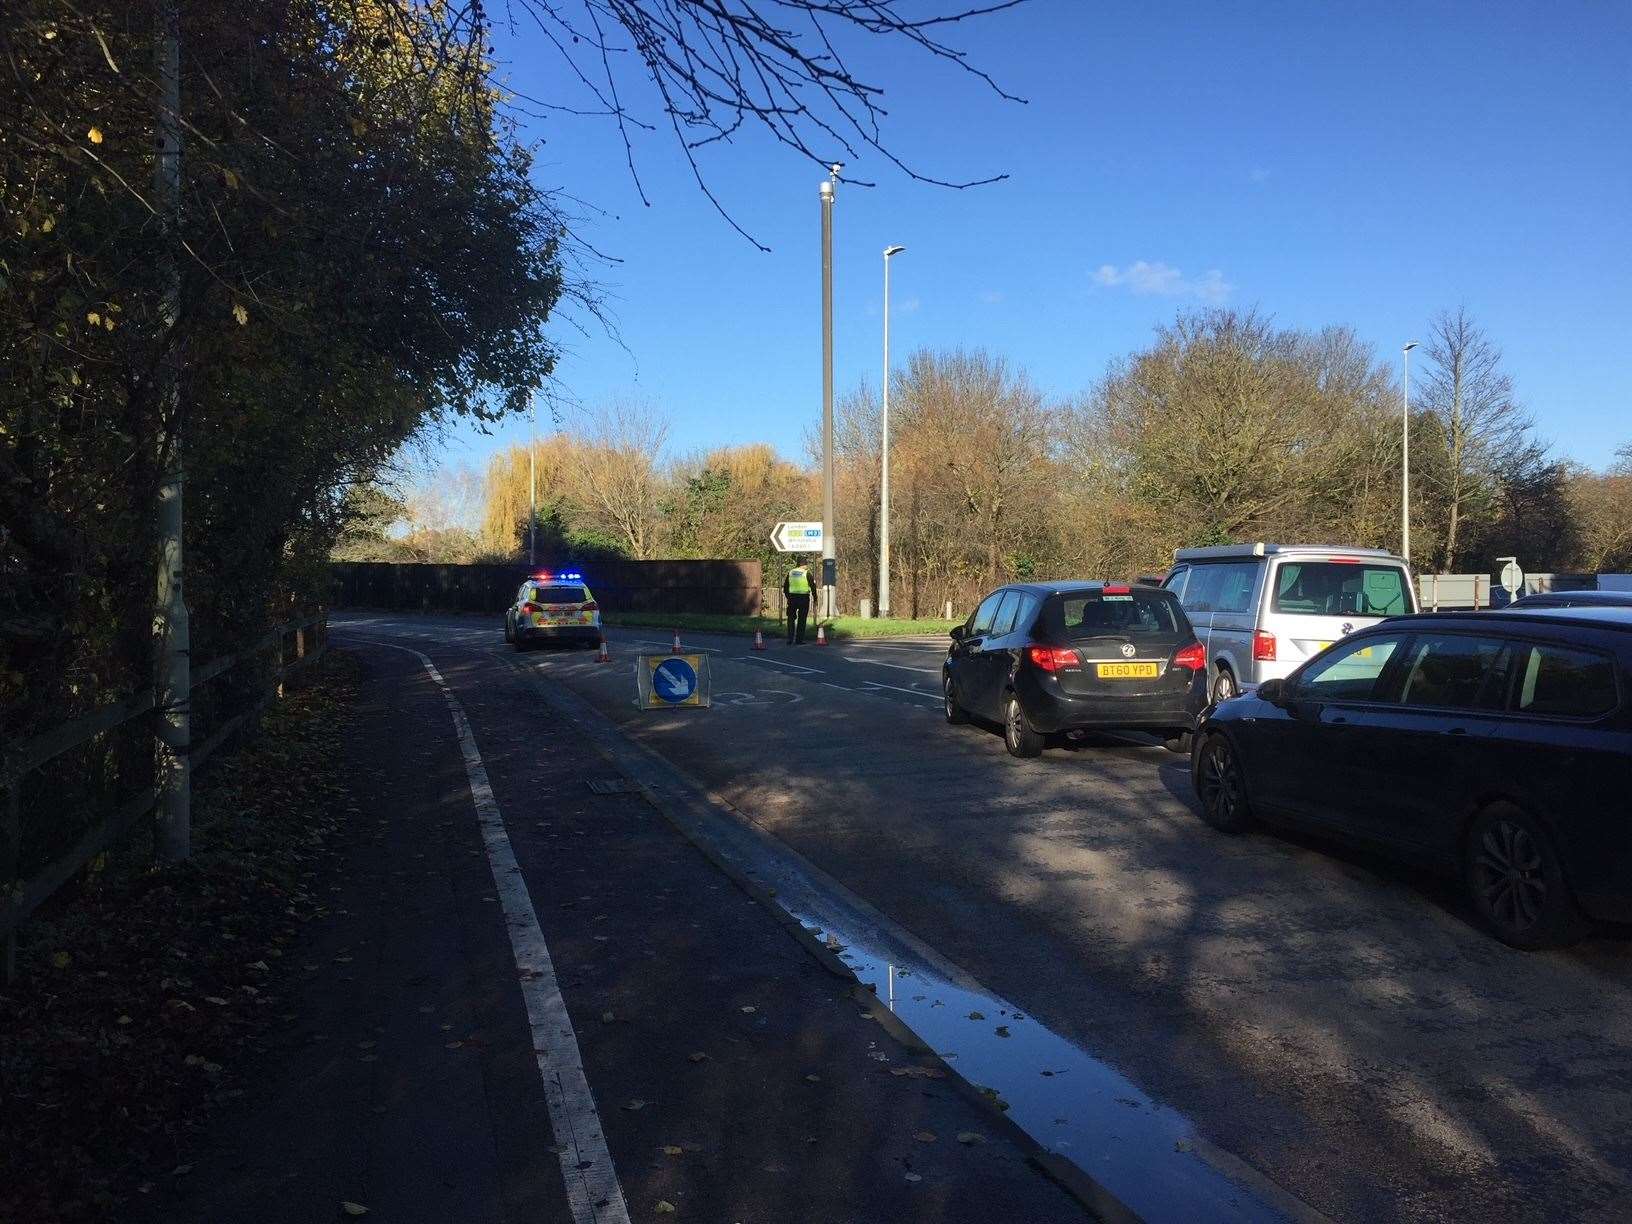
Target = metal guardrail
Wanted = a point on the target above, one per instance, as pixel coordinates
(19, 897)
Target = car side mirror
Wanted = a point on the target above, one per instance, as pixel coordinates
(1274, 691)
(957, 633)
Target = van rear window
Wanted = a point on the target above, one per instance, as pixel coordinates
(1336, 588)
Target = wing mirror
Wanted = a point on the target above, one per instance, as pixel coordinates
(1275, 692)
(957, 633)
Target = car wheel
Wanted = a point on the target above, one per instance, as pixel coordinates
(509, 630)
(1022, 741)
(955, 714)
(1179, 742)
(1220, 786)
(1516, 881)
(1224, 687)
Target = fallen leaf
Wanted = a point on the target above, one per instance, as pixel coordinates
(969, 1137)
(977, 1015)
(242, 315)
(353, 1209)
(123, 1020)
(919, 1072)
(698, 1057)
(181, 1170)
(634, 1104)
(94, 135)
(61, 960)
(813, 1079)
(670, 1150)
(924, 1136)
(216, 999)
(750, 1008)
(607, 1017)
(913, 1177)
(664, 1207)
(1002, 1030)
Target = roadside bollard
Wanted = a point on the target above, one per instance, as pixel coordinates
(603, 656)
(675, 649)
(759, 640)
(821, 635)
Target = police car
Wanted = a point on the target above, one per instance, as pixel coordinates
(554, 607)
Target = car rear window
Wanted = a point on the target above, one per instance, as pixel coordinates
(1139, 611)
(1557, 681)
(1339, 588)
(560, 595)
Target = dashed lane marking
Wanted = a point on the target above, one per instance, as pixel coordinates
(593, 1193)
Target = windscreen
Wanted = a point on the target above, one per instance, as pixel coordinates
(560, 595)
(1147, 612)
(1340, 588)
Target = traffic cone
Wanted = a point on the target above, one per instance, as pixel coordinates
(603, 656)
(675, 649)
(821, 635)
(759, 639)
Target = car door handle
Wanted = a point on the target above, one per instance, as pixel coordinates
(1339, 721)
(1454, 731)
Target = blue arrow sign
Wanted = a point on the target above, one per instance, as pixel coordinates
(674, 681)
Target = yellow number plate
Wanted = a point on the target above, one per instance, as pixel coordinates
(1126, 671)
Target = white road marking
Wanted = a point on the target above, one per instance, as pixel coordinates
(928, 671)
(797, 668)
(897, 688)
(669, 645)
(593, 1192)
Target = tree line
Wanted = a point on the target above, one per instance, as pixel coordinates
(1224, 428)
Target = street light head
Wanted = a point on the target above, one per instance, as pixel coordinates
(1409, 347)
(893, 250)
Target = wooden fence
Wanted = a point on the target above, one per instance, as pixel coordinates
(619, 586)
(297, 644)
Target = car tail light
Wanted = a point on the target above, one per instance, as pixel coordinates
(1263, 646)
(1192, 658)
(1115, 588)
(527, 609)
(1053, 658)
(591, 606)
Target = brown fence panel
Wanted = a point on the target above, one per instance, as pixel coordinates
(619, 586)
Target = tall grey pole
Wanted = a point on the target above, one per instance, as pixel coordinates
(828, 552)
(884, 481)
(1405, 460)
(171, 631)
(532, 478)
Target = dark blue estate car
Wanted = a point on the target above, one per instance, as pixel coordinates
(1495, 746)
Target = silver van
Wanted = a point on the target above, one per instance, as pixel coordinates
(1262, 609)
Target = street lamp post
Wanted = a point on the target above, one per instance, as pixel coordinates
(884, 485)
(532, 479)
(1405, 459)
(829, 553)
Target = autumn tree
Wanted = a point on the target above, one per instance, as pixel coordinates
(1476, 431)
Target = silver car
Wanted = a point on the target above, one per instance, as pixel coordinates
(1262, 609)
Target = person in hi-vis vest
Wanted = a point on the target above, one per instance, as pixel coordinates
(796, 586)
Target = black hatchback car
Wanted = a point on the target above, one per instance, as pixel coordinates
(1498, 747)
(1044, 658)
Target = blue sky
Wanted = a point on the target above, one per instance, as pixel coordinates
(1366, 165)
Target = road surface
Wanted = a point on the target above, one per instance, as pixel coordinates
(1335, 1025)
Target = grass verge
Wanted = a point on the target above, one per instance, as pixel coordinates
(841, 627)
(145, 992)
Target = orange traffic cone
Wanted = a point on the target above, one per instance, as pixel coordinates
(603, 656)
(675, 649)
(821, 635)
(759, 639)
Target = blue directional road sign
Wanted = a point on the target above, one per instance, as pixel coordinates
(668, 681)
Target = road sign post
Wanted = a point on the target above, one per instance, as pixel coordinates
(798, 537)
(1512, 576)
